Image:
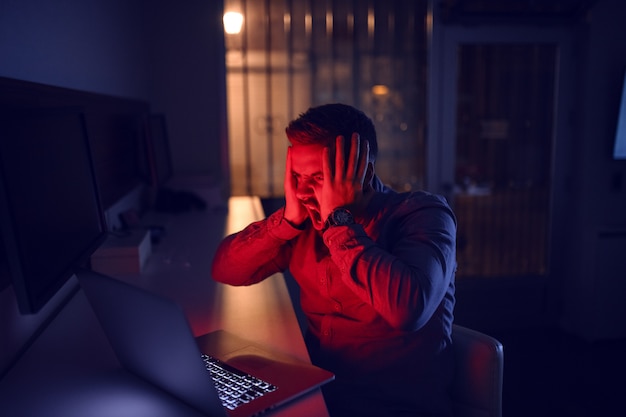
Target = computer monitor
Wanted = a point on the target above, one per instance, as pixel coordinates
(619, 145)
(156, 160)
(51, 219)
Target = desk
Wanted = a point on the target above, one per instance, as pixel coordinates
(71, 370)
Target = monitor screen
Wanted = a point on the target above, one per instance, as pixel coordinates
(50, 214)
(619, 146)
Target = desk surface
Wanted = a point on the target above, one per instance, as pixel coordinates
(71, 370)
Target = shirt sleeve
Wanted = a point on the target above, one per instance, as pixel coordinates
(256, 252)
(406, 281)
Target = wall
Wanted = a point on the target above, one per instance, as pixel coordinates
(170, 54)
(93, 45)
(187, 76)
(594, 288)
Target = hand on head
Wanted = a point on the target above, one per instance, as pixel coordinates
(294, 210)
(321, 178)
(344, 177)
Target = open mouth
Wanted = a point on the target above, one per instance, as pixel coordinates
(314, 214)
(315, 217)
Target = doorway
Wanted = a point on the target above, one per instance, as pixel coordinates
(493, 132)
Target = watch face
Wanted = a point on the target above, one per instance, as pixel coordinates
(339, 217)
(342, 216)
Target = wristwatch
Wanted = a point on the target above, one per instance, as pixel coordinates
(339, 217)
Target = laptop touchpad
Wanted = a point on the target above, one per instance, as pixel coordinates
(249, 359)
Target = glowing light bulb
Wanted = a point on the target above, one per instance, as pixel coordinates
(380, 90)
(233, 22)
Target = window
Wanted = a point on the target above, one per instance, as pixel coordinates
(291, 55)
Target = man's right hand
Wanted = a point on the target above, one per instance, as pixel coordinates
(295, 213)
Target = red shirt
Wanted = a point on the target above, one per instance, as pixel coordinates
(378, 295)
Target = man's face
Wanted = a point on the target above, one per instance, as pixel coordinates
(306, 166)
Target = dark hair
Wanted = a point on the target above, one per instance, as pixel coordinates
(322, 124)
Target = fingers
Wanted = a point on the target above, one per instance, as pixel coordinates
(353, 158)
(294, 212)
(340, 160)
(344, 169)
(288, 173)
(354, 166)
(359, 158)
(290, 183)
(327, 170)
(363, 161)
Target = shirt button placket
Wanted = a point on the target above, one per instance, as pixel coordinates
(324, 278)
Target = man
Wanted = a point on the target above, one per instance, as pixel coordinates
(375, 269)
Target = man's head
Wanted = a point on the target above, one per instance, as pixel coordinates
(321, 125)
(309, 134)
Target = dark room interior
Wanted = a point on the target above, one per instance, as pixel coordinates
(511, 110)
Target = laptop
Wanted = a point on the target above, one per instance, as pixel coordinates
(152, 339)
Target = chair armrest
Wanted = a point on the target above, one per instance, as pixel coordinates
(477, 389)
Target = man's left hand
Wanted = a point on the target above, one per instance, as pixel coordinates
(344, 177)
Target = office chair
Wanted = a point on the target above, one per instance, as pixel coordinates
(477, 388)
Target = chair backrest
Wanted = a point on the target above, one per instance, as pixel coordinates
(477, 389)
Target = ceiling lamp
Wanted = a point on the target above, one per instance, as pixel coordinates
(233, 22)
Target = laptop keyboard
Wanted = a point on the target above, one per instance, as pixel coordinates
(235, 387)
